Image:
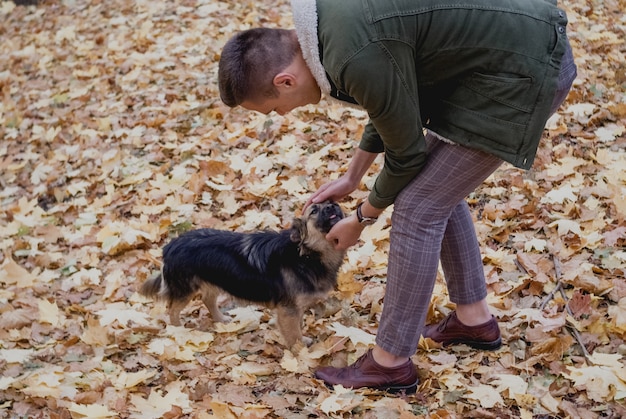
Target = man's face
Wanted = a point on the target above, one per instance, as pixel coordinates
(280, 104)
(295, 86)
(286, 101)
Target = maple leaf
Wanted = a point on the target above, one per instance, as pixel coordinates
(560, 195)
(49, 313)
(245, 318)
(247, 372)
(13, 274)
(157, 404)
(536, 316)
(485, 395)
(356, 335)
(17, 356)
(94, 333)
(122, 314)
(600, 382)
(617, 315)
(536, 244)
(92, 411)
(132, 379)
(194, 340)
(609, 133)
(513, 384)
(340, 400)
(581, 111)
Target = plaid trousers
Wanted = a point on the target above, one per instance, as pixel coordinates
(431, 221)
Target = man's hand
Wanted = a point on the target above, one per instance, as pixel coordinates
(345, 233)
(334, 191)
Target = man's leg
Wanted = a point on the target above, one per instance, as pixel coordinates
(462, 263)
(419, 224)
(422, 213)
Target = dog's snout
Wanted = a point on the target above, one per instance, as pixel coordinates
(332, 210)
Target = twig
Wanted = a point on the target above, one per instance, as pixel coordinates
(559, 288)
(339, 342)
(573, 329)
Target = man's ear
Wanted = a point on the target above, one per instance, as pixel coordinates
(284, 80)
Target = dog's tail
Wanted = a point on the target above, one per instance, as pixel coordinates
(153, 287)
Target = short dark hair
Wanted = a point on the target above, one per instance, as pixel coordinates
(250, 60)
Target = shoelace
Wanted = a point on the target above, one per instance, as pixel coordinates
(444, 323)
(359, 361)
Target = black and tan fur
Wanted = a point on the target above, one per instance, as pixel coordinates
(288, 270)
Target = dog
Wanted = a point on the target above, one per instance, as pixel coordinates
(288, 270)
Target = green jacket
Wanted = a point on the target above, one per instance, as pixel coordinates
(481, 73)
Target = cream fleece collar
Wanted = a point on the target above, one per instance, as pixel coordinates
(305, 21)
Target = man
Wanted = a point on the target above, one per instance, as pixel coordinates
(482, 77)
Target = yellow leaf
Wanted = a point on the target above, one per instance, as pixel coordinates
(91, 411)
(617, 314)
(95, 334)
(514, 384)
(6, 382)
(560, 195)
(13, 274)
(247, 372)
(121, 313)
(195, 340)
(453, 380)
(16, 356)
(486, 395)
(536, 316)
(289, 362)
(600, 383)
(131, 379)
(341, 400)
(158, 403)
(246, 318)
(356, 335)
(222, 410)
(48, 312)
(45, 383)
(535, 243)
(262, 187)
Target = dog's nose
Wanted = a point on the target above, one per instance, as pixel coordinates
(332, 209)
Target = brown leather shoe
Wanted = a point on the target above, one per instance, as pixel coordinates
(451, 331)
(365, 372)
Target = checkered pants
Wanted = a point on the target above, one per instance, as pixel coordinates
(431, 221)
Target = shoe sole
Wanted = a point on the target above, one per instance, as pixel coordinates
(410, 389)
(485, 346)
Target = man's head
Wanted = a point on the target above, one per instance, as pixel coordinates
(262, 69)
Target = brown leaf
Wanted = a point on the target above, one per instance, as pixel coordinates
(17, 319)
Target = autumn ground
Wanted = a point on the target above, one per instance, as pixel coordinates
(113, 140)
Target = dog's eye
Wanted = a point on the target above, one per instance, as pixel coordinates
(315, 209)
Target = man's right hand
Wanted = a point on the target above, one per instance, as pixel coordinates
(333, 191)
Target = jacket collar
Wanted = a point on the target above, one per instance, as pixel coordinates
(305, 21)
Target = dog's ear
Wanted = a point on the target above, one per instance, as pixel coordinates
(299, 233)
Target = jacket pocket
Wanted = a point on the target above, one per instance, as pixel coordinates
(508, 89)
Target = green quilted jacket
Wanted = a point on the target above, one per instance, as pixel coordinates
(481, 73)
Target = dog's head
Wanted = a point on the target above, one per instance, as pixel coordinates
(310, 230)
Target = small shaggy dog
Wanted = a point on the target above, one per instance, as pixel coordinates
(288, 270)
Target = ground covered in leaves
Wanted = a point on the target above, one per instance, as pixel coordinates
(113, 140)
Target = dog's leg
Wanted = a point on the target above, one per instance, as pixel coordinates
(289, 319)
(209, 298)
(175, 308)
